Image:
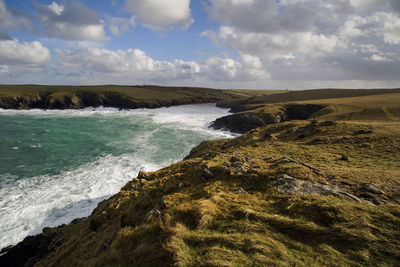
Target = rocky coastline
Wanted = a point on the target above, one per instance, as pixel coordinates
(79, 100)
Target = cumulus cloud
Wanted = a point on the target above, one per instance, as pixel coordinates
(137, 65)
(159, 14)
(12, 19)
(264, 15)
(312, 40)
(19, 58)
(118, 25)
(13, 52)
(71, 21)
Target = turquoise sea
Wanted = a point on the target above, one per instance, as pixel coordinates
(57, 165)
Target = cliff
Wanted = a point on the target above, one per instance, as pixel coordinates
(332, 104)
(123, 97)
(293, 193)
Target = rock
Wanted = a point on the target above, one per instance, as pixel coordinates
(240, 122)
(371, 189)
(153, 217)
(207, 174)
(31, 250)
(285, 160)
(344, 139)
(362, 131)
(266, 136)
(317, 141)
(240, 190)
(237, 157)
(164, 201)
(344, 157)
(291, 186)
(226, 164)
(327, 123)
(374, 199)
(239, 168)
(144, 175)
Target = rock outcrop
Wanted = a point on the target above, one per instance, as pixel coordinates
(242, 122)
(291, 186)
(82, 99)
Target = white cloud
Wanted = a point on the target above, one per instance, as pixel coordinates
(11, 19)
(273, 44)
(158, 14)
(4, 69)
(71, 21)
(56, 8)
(304, 40)
(118, 25)
(264, 16)
(135, 64)
(13, 52)
(391, 29)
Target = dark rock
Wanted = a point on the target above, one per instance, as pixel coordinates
(240, 123)
(371, 189)
(317, 141)
(344, 157)
(29, 251)
(144, 175)
(300, 111)
(343, 140)
(246, 121)
(373, 198)
(78, 220)
(362, 131)
(207, 174)
(327, 123)
(236, 157)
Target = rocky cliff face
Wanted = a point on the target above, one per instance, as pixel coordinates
(84, 99)
(247, 120)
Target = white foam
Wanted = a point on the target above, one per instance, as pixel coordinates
(28, 205)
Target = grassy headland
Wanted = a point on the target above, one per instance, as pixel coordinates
(319, 187)
(146, 96)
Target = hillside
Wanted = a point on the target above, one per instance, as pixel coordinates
(320, 189)
(334, 104)
(76, 97)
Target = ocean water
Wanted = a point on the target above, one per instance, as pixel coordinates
(57, 165)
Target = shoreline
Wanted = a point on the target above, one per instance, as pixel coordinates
(89, 110)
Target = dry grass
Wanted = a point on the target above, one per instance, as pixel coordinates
(205, 223)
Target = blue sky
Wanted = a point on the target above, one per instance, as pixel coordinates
(266, 44)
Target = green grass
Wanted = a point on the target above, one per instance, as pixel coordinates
(204, 223)
(145, 93)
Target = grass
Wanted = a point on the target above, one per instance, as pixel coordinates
(145, 93)
(205, 223)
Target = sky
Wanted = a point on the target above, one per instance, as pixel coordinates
(248, 44)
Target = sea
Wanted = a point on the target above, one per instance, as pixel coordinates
(57, 165)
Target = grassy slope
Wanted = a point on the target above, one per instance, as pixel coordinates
(147, 94)
(205, 223)
(372, 106)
